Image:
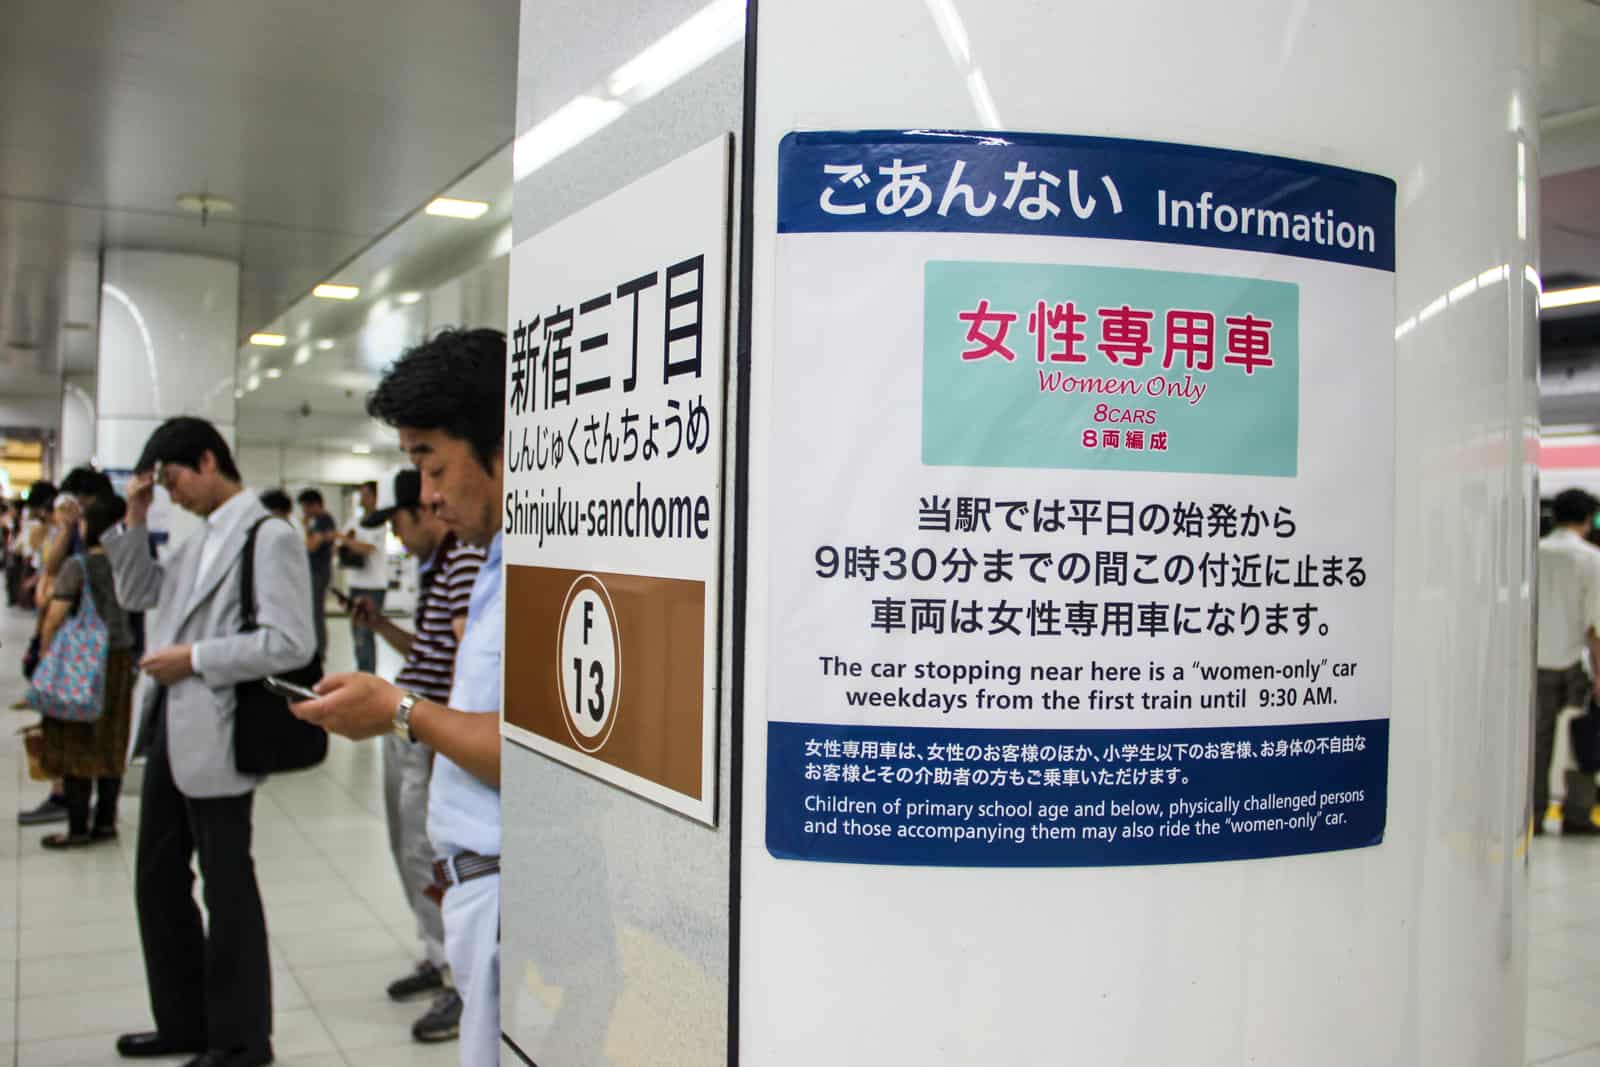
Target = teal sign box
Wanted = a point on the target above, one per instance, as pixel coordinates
(1108, 368)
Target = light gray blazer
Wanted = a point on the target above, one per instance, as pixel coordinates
(200, 708)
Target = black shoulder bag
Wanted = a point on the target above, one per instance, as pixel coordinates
(267, 737)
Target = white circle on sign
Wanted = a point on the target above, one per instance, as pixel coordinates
(589, 661)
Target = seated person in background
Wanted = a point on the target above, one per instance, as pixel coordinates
(446, 570)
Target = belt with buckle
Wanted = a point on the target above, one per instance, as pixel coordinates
(462, 867)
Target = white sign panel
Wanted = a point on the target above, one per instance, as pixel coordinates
(1082, 527)
(614, 469)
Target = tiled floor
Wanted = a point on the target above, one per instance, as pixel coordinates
(1563, 954)
(71, 975)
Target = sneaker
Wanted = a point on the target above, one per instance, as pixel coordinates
(425, 979)
(443, 1020)
(52, 809)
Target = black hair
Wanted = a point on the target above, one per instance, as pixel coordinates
(1573, 505)
(309, 496)
(455, 383)
(184, 439)
(276, 500)
(370, 485)
(102, 512)
(41, 496)
(86, 481)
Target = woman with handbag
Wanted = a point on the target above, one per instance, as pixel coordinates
(87, 746)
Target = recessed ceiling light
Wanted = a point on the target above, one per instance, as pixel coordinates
(324, 344)
(409, 298)
(268, 340)
(206, 204)
(254, 383)
(302, 355)
(1565, 298)
(238, 394)
(361, 450)
(330, 291)
(274, 372)
(450, 208)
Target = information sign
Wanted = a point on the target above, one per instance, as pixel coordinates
(1082, 514)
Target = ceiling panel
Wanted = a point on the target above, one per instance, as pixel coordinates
(325, 124)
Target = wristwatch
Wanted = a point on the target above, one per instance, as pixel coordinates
(402, 717)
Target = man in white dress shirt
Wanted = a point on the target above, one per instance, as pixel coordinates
(1569, 624)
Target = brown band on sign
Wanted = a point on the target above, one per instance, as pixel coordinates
(612, 666)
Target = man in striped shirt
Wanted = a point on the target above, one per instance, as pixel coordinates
(446, 570)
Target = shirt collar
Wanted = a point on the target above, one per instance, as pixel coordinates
(225, 518)
(447, 544)
(494, 550)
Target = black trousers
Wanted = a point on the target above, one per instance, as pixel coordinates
(208, 987)
(78, 792)
(1558, 690)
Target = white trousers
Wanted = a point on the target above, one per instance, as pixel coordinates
(472, 941)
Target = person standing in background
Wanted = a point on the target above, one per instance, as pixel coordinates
(278, 504)
(320, 533)
(1568, 625)
(209, 978)
(446, 397)
(446, 570)
(89, 757)
(366, 566)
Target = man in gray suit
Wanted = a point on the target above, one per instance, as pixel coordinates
(210, 988)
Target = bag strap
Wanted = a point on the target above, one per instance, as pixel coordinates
(247, 578)
(85, 591)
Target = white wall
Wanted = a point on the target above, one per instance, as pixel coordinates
(35, 410)
(266, 466)
(1412, 952)
(75, 444)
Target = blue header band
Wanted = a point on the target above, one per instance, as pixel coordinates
(925, 181)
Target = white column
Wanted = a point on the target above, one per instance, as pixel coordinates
(168, 345)
(1411, 951)
(75, 445)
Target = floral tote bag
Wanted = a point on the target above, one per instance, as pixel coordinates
(70, 681)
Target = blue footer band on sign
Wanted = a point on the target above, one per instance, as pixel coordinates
(1073, 798)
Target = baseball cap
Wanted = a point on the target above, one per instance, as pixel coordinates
(403, 490)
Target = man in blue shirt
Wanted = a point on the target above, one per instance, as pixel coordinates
(447, 399)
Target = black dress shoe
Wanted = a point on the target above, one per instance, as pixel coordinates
(237, 1057)
(151, 1043)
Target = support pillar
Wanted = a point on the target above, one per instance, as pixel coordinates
(168, 346)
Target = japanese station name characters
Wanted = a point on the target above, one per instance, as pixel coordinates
(597, 375)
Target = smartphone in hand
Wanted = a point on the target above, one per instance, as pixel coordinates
(295, 694)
